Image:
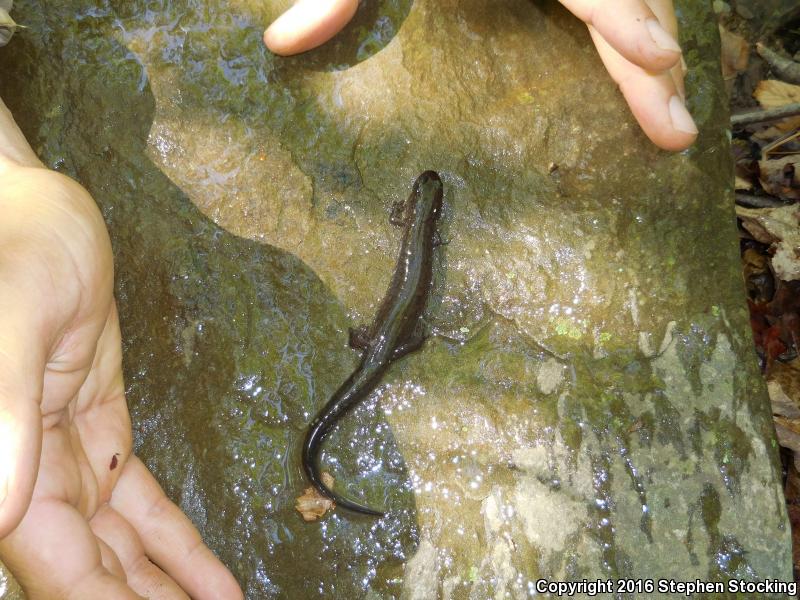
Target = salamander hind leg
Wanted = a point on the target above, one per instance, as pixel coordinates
(359, 337)
(413, 342)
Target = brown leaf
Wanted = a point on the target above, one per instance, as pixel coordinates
(757, 276)
(735, 53)
(792, 491)
(312, 505)
(779, 227)
(742, 184)
(772, 93)
(788, 433)
(773, 344)
(783, 384)
(777, 177)
(746, 165)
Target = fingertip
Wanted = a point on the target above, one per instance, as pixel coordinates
(20, 449)
(675, 141)
(277, 41)
(666, 54)
(667, 123)
(660, 37)
(677, 131)
(635, 33)
(654, 98)
(3, 494)
(223, 584)
(655, 50)
(308, 24)
(681, 119)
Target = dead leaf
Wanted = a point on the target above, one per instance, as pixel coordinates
(312, 505)
(779, 227)
(777, 177)
(784, 313)
(766, 335)
(757, 276)
(788, 434)
(766, 136)
(792, 492)
(783, 384)
(772, 93)
(735, 53)
(746, 166)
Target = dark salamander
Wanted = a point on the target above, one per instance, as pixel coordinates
(397, 328)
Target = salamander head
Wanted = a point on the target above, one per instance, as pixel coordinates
(426, 197)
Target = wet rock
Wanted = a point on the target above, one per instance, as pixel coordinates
(721, 8)
(592, 406)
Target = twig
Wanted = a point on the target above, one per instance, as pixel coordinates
(750, 201)
(771, 149)
(762, 116)
(785, 68)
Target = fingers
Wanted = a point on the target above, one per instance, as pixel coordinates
(54, 554)
(38, 295)
(124, 544)
(101, 414)
(109, 559)
(169, 538)
(22, 364)
(308, 24)
(654, 99)
(13, 146)
(20, 447)
(633, 29)
(636, 40)
(22, 356)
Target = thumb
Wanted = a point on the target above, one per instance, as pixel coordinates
(22, 366)
(308, 24)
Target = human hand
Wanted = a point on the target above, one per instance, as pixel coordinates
(80, 515)
(635, 40)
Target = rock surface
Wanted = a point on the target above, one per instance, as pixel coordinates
(592, 406)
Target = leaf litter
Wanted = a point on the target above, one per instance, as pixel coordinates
(765, 94)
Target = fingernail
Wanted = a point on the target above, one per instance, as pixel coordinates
(660, 36)
(681, 119)
(678, 81)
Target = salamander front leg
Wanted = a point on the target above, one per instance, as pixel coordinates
(438, 241)
(396, 215)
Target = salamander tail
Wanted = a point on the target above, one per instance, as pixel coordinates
(352, 506)
(340, 501)
(311, 468)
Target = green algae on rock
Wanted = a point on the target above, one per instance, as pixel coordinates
(593, 407)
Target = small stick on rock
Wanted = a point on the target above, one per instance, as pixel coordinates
(762, 116)
(785, 68)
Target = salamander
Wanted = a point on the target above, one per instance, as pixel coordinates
(396, 330)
